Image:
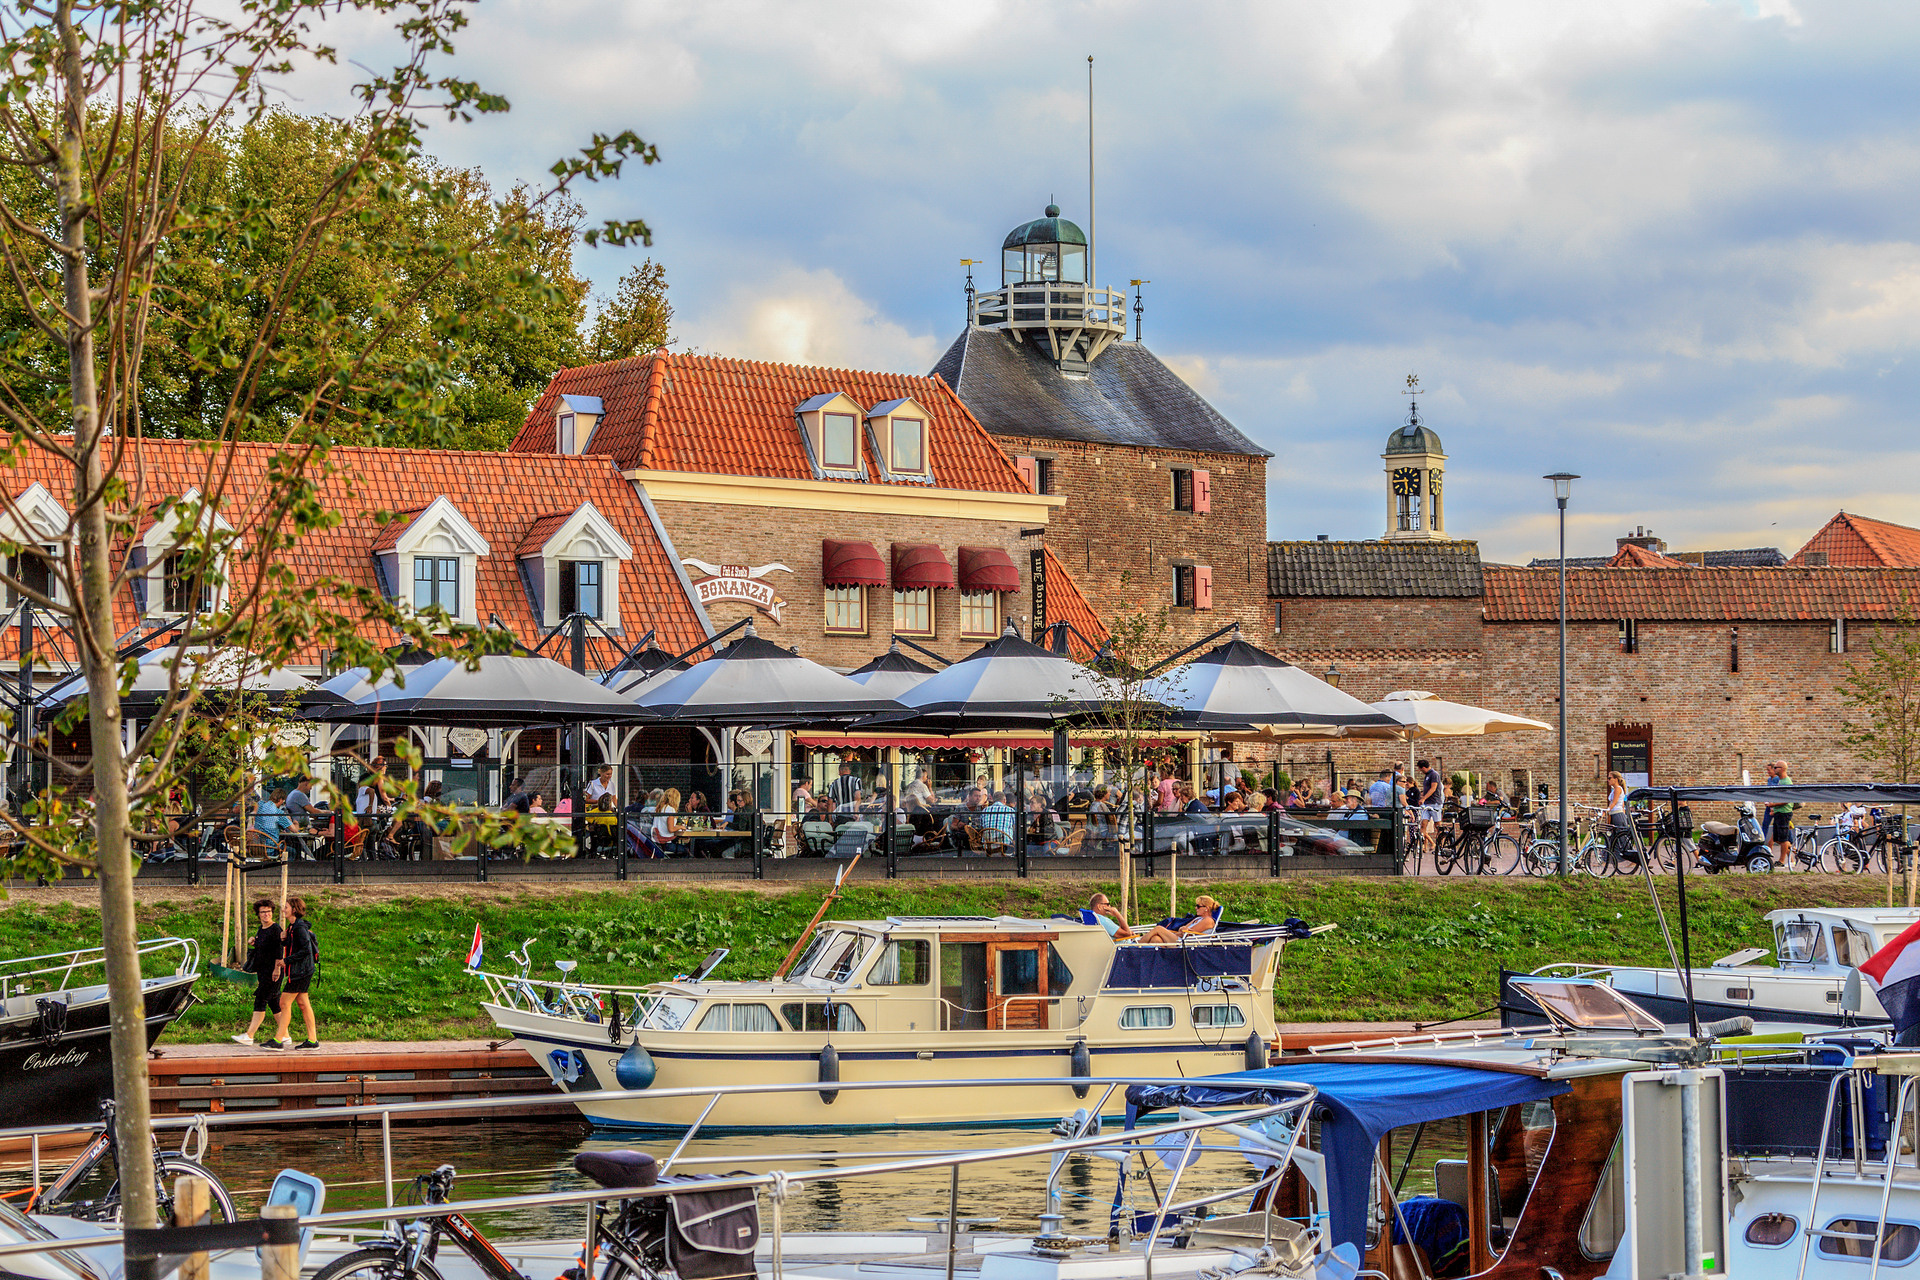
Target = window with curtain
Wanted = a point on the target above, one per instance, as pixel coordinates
(913, 612)
(1145, 1017)
(846, 610)
(739, 1017)
(904, 962)
(178, 581)
(1218, 1015)
(821, 1017)
(980, 614)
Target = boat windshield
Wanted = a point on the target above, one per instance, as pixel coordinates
(1801, 942)
(818, 944)
(840, 957)
(16, 1228)
(668, 1013)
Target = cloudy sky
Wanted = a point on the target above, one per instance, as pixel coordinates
(1666, 244)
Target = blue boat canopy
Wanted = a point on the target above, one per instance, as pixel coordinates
(1886, 793)
(1178, 967)
(1359, 1103)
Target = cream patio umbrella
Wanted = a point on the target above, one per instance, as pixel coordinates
(1426, 715)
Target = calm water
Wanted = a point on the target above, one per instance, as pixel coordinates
(506, 1158)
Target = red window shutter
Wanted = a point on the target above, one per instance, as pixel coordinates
(1202, 491)
(1203, 586)
(1029, 470)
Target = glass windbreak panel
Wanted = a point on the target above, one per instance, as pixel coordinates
(1802, 942)
(1013, 266)
(904, 962)
(1020, 973)
(1578, 1004)
(1898, 1240)
(1073, 263)
(1142, 1017)
(837, 446)
(821, 1017)
(668, 1013)
(1607, 1211)
(963, 984)
(909, 444)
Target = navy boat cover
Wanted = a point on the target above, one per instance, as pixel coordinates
(1361, 1102)
(1181, 966)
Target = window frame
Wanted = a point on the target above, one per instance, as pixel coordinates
(1182, 492)
(176, 583)
(827, 421)
(1142, 1024)
(1184, 588)
(1194, 1012)
(436, 582)
(566, 434)
(830, 597)
(920, 947)
(919, 426)
(1043, 474)
(569, 584)
(923, 595)
(1837, 636)
(1628, 634)
(969, 602)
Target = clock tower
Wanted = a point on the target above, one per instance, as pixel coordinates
(1416, 467)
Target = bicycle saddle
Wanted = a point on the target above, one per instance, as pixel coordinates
(618, 1168)
(566, 966)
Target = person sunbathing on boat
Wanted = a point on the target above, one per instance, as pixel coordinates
(1206, 914)
(1107, 918)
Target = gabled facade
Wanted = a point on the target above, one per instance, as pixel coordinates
(1857, 540)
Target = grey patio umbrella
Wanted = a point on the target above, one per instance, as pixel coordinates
(642, 669)
(1237, 686)
(756, 682)
(892, 673)
(222, 671)
(503, 690)
(1010, 683)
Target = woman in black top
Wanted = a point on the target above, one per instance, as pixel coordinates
(266, 964)
(302, 957)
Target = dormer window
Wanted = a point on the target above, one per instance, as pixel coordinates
(570, 563)
(580, 587)
(574, 421)
(898, 430)
(177, 576)
(568, 444)
(37, 525)
(830, 430)
(431, 558)
(172, 568)
(436, 583)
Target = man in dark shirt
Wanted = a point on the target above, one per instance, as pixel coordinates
(844, 789)
(745, 818)
(1429, 802)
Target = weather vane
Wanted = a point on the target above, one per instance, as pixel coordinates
(1413, 404)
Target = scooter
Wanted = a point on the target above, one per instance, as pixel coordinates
(1744, 846)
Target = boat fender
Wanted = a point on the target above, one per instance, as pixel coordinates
(829, 1073)
(1082, 1067)
(1256, 1052)
(636, 1069)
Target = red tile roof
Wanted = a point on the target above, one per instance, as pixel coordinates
(1699, 594)
(496, 492)
(1633, 556)
(679, 412)
(1066, 604)
(1848, 539)
(540, 532)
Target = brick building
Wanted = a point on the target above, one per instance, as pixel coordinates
(1165, 500)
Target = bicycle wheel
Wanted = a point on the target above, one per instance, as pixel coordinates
(1599, 858)
(383, 1262)
(1503, 854)
(1543, 858)
(219, 1200)
(1842, 856)
(1445, 855)
(1670, 851)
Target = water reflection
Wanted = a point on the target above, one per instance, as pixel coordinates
(501, 1158)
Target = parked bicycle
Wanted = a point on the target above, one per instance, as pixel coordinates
(100, 1163)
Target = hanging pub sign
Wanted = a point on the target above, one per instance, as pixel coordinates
(1040, 597)
(467, 741)
(738, 582)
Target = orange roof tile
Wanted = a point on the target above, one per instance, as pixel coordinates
(1697, 594)
(1633, 556)
(1849, 539)
(494, 491)
(540, 532)
(679, 412)
(1065, 603)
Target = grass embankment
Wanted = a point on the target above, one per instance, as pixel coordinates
(391, 966)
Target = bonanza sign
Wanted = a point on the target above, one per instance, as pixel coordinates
(739, 582)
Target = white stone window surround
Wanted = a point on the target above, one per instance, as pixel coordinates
(36, 519)
(441, 530)
(164, 539)
(585, 535)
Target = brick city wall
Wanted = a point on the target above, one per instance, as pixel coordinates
(762, 535)
(1119, 535)
(1310, 624)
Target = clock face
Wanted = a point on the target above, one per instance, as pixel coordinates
(1406, 480)
(1433, 480)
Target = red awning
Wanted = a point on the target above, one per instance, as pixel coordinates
(920, 564)
(988, 569)
(851, 564)
(830, 741)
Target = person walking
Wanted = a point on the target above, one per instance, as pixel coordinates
(302, 955)
(265, 962)
(1430, 802)
(1778, 823)
(1619, 833)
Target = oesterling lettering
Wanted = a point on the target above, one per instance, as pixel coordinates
(64, 1058)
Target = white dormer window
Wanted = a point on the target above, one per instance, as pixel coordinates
(830, 432)
(898, 429)
(574, 422)
(177, 579)
(37, 525)
(431, 558)
(570, 562)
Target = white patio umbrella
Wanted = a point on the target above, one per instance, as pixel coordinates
(1239, 687)
(221, 670)
(1427, 715)
(892, 673)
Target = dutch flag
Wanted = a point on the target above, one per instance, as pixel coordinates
(473, 954)
(1894, 972)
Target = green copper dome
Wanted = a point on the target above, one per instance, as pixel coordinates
(1052, 229)
(1414, 438)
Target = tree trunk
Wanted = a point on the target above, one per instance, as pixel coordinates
(113, 847)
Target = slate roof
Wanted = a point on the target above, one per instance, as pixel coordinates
(1857, 540)
(1744, 558)
(1377, 568)
(1128, 398)
(671, 411)
(1699, 594)
(1065, 603)
(498, 493)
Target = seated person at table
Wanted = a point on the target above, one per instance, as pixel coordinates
(270, 821)
(1101, 830)
(997, 819)
(743, 819)
(1107, 918)
(300, 803)
(966, 816)
(1202, 921)
(918, 817)
(1043, 832)
(666, 818)
(535, 805)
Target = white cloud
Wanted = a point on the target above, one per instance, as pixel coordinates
(807, 317)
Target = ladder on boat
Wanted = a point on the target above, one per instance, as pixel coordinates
(1905, 1067)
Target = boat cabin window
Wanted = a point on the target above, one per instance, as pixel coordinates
(963, 985)
(1607, 1213)
(1898, 1241)
(668, 1013)
(1801, 942)
(1140, 1017)
(1436, 1159)
(738, 1017)
(821, 1017)
(1851, 946)
(1772, 1230)
(840, 957)
(1020, 972)
(1218, 1015)
(812, 954)
(903, 962)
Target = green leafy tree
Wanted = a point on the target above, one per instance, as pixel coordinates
(1881, 694)
(637, 319)
(132, 255)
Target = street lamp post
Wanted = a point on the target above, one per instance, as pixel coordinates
(1562, 487)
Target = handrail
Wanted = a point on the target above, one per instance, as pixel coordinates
(87, 957)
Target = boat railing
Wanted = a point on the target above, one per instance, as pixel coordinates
(18, 975)
(778, 1185)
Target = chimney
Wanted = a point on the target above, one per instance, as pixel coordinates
(1639, 537)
